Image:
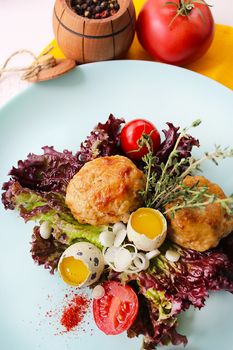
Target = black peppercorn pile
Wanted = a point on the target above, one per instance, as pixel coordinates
(97, 9)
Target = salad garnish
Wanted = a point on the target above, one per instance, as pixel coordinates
(139, 226)
(165, 178)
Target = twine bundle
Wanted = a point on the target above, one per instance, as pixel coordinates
(40, 63)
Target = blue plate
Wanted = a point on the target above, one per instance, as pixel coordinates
(61, 113)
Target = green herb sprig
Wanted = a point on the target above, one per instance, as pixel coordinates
(198, 197)
(165, 184)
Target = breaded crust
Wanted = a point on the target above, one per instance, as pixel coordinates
(200, 229)
(105, 190)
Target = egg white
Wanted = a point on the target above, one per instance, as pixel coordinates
(141, 241)
(90, 255)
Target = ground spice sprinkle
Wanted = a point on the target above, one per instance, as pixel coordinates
(74, 313)
(95, 9)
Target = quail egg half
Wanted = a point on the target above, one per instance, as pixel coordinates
(147, 229)
(81, 264)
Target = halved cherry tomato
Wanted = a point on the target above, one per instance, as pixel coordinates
(131, 134)
(117, 309)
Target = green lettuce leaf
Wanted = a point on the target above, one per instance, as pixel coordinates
(51, 207)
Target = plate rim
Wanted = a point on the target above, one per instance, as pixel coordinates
(85, 68)
(185, 70)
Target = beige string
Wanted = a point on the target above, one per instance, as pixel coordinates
(44, 61)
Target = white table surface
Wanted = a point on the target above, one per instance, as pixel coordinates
(28, 24)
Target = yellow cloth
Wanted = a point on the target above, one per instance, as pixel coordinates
(217, 63)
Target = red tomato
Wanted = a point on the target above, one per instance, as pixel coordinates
(117, 309)
(131, 134)
(179, 40)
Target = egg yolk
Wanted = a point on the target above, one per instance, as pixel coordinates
(148, 222)
(73, 271)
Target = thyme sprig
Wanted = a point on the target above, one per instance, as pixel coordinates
(217, 154)
(164, 182)
(198, 197)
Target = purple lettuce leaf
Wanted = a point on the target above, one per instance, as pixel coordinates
(226, 244)
(171, 135)
(103, 140)
(50, 171)
(166, 289)
(154, 332)
(46, 252)
(184, 150)
(53, 170)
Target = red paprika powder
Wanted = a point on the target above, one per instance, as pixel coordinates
(74, 313)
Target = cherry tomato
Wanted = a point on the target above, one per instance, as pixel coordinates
(116, 311)
(131, 134)
(175, 32)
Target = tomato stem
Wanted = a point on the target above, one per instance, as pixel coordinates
(185, 7)
(144, 141)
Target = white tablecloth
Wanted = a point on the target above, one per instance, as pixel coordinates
(28, 24)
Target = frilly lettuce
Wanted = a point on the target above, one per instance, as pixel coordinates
(166, 289)
(50, 207)
(37, 186)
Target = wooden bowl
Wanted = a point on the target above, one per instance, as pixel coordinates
(90, 40)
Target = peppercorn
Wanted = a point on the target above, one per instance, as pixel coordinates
(96, 9)
(86, 13)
